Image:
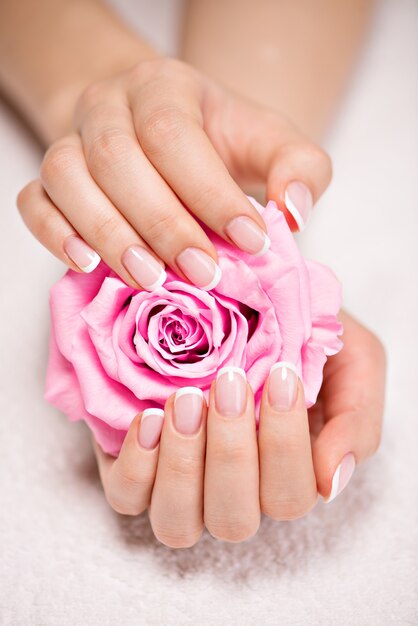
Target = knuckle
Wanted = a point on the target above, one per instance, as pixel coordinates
(40, 225)
(320, 160)
(209, 195)
(151, 68)
(312, 157)
(233, 531)
(127, 492)
(230, 452)
(274, 447)
(144, 70)
(318, 155)
(35, 215)
(375, 346)
(90, 96)
(59, 161)
(158, 230)
(184, 467)
(286, 509)
(105, 230)
(109, 149)
(375, 437)
(129, 480)
(25, 195)
(161, 127)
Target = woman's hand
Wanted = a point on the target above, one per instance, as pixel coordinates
(209, 470)
(150, 143)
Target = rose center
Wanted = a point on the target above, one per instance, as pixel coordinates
(181, 336)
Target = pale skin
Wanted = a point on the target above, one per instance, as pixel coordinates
(132, 140)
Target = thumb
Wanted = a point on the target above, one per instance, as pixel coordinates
(353, 397)
(295, 171)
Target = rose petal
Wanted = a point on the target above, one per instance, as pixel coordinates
(67, 298)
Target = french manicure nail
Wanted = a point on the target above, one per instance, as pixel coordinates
(342, 475)
(188, 405)
(299, 202)
(231, 391)
(150, 428)
(248, 236)
(199, 268)
(144, 268)
(282, 386)
(81, 254)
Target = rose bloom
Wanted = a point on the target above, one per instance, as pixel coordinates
(115, 351)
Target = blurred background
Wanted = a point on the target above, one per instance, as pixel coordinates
(68, 559)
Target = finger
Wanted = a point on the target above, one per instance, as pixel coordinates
(270, 150)
(176, 511)
(169, 125)
(52, 230)
(67, 181)
(128, 480)
(353, 400)
(287, 478)
(124, 173)
(232, 507)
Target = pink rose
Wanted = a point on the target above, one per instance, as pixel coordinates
(115, 351)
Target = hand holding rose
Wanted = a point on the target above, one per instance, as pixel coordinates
(116, 352)
(149, 141)
(222, 477)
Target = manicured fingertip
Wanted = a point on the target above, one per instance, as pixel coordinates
(282, 386)
(266, 246)
(342, 476)
(81, 254)
(248, 235)
(216, 279)
(299, 202)
(188, 407)
(150, 428)
(199, 268)
(144, 268)
(231, 391)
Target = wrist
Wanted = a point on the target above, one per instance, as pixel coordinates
(51, 50)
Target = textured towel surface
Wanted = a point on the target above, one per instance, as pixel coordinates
(67, 559)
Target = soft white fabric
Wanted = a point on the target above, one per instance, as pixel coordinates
(67, 559)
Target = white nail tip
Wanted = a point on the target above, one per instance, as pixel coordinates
(93, 264)
(158, 283)
(294, 212)
(335, 485)
(215, 280)
(286, 364)
(231, 369)
(184, 391)
(266, 246)
(149, 412)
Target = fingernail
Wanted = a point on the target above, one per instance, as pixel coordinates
(144, 268)
(248, 236)
(188, 405)
(150, 428)
(81, 254)
(231, 391)
(199, 268)
(342, 475)
(299, 202)
(282, 386)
